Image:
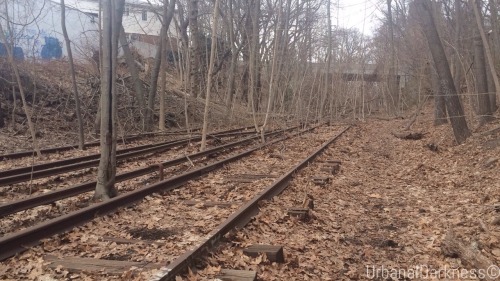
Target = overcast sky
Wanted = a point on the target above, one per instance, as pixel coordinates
(352, 13)
(362, 14)
(355, 13)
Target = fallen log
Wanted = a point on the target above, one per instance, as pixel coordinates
(470, 256)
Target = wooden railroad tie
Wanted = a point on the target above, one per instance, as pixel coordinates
(321, 180)
(300, 213)
(237, 275)
(113, 267)
(129, 241)
(331, 161)
(330, 166)
(273, 253)
(248, 178)
(209, 203)
(331, 169)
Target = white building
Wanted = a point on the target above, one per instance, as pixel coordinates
(36, 26)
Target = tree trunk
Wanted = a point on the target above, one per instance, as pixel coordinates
(132, 68)
(232, 66)
(272, 75)
(495, 30)
(97, 121)
(391, 78)
(486, 45)
(112, 21)
(483, 99)
(13, 64)
(197, 59)
(253, 69)
(246, 42)
(155, 72)
(283, 37)
(154, 82)
(81, 137)
(163, 86)
(328, 58)
(492, 92)
(495, 46)
(439, 102)
(215, 21)
(458, 34)
(447, 87)
(163, 70)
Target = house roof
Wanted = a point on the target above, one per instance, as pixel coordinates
(86, 6)
(92, 6)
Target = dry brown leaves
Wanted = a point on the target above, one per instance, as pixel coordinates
(390, 207)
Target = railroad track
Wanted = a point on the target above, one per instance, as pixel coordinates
(18, 175)
(53, 196)
(21, 154)
(239, 218)
(15, 243)
(294, 231)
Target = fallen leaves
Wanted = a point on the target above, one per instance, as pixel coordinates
(390, 205)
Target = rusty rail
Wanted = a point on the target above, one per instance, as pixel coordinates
(23, 174)
(14, 243)
(21, 154)
(52, 196)
(238, 219)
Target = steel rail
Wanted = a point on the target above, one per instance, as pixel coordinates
(21, 154)
(23, 174)
(52, 196)
(14, 243)
(238, 219)
(63, 162)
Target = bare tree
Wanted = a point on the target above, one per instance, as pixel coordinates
(154, 80)
(439, 102)
(234, 60)
(166, 18)
(484, 108)
(81, 137)
(163, 70)
(253, 66)
(112, 22)
(134, 72)
(197, 58)
(215, 23)
(487, 50)
(392, 81)
(97, 121)
(328, 75)
(457, 74)
(447, 86)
